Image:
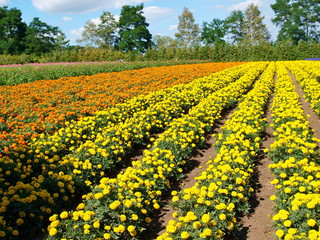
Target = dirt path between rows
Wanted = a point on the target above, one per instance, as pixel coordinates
(314, 119)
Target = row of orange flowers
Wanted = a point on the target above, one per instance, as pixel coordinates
(43, 106)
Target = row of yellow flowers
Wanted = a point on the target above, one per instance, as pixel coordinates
(305, 74)
(296, 165)
(208, 209)
(106, 149)
(41, 178)
(122, 207)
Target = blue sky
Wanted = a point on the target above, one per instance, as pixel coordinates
(162, 15)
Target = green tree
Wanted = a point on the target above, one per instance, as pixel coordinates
(214, 32)
(12, 31)
(297, 19)
(254, 30)
(188, 34)
(164, 42)
(41, 37)
(101, 34)
(133, 32)
(235, 23)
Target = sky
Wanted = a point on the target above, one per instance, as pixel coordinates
(162, 15)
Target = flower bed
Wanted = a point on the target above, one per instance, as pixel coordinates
(122, 207)
(296, 165)
(44, 106)
(36, 177)
(306, 76)
(209, 208)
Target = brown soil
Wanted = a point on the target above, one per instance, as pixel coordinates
(314, 119)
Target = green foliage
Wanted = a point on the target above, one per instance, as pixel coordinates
(214, 32)
(188, 30)
(100, 34)
(235, 23)
(133, 32)
(12, 31)
(254, 30)
(41, 37)
(297, 19)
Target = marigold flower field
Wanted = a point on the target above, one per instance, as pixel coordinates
(65, 146)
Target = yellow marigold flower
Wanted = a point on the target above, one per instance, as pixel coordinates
(96, 224)
(279, 233)
(196, 225)
(20, 221)
(53, 231)
(107, 236)
(287, 223)
(273, 197)
(205, 218)
(312, 222)
(171, 229)
(134, 217)
(123, 217)
(131, 228)
(64, 215)
(80, 206)
(185, 235)
(222, 217)
(148, 220)
(92, 151)
(292, 231)
(207, 232)
(98, 195)
(119, 229)
(175, 199)
(55, 223)
(114, 205)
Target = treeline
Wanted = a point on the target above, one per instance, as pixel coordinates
(129, 39)
(219, 53)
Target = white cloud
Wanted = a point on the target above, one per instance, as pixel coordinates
(76, 33)
(79, 6)
(66, 19)
(173, 27)
(152, 13)
(243, 5)
(3, 2)
(96, 21)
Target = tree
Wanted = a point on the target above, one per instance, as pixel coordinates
(297, 19)
(41, 37)
(101, 34)
(188, 30)
(254, 30)
(12, 31)
(133, 32)
(161, 42)
(214, 32)
(235, 25)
